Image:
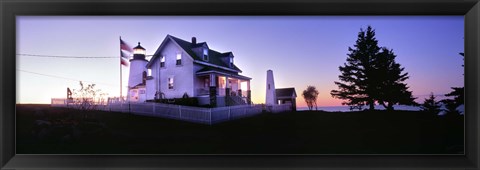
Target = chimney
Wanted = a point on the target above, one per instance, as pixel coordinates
(194, 40)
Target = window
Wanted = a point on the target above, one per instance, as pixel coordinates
(170, 83)
(162, 61)
(205, 54)
(179, 59)
(149, 72)
(142, 91)
(231, 61)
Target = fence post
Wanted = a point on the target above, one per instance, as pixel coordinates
(180, 110)
(153, 109)
(210, 115)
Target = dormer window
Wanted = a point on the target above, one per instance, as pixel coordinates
(231, 61)
(179, 59)
(205, 54)
(162, 61)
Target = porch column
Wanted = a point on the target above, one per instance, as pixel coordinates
(239, 87)
(213, 90)
(227, 91)
(249, 93)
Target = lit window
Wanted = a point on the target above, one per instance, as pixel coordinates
(179, 59)
(170, 83)
(149, 72)
(205, 54)
(162, 61)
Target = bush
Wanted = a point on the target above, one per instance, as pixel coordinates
(178, 101)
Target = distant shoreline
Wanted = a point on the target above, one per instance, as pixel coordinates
(347, 108)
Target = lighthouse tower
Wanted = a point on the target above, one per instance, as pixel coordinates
(271, 97)
(137, 66)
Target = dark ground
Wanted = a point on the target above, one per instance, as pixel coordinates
(45, 130)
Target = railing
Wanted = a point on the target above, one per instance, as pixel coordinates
(244, 94)
(203, 91)
(185, 113)
(237, 100)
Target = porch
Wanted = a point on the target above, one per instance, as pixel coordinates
(222, 89)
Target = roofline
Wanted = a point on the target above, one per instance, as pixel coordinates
(232, 75)
(155, 55)
(217, 66)
(294, 91)
(285, 88)
(169, 37)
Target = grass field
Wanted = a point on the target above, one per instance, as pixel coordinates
(45, 130)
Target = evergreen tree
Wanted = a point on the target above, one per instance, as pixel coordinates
(458, 95)
(450, 106)
(357, 84)
(391, 88)
(430, 105)
(371, 75)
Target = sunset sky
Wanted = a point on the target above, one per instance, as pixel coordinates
(301, 50)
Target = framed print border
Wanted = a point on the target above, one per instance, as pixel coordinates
(9, 9)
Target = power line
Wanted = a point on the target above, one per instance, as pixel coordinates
(59, 77)
(58, 56)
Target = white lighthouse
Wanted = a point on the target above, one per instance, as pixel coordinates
(137, 66)
(270, 98)
(138, 75)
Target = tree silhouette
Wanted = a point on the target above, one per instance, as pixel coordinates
(357, 84)
(310, 95)
(391, 88)
(371, 75)
(458, 95)
(430, 105)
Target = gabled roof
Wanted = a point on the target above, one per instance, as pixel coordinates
(214, 57)
(285, 92)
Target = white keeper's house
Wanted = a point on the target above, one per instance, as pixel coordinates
(180, 68)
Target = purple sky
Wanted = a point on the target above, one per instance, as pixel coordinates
(301, 50)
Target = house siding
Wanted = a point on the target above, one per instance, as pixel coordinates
(183, 75)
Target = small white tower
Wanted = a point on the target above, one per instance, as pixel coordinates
(271, 97)
(137, 66)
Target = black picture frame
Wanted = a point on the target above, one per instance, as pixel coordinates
(9, 9)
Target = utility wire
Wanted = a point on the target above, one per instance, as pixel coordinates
(59, 77)
(57, 56)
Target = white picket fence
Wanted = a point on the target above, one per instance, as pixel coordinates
(185, 113)
(278, 108)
